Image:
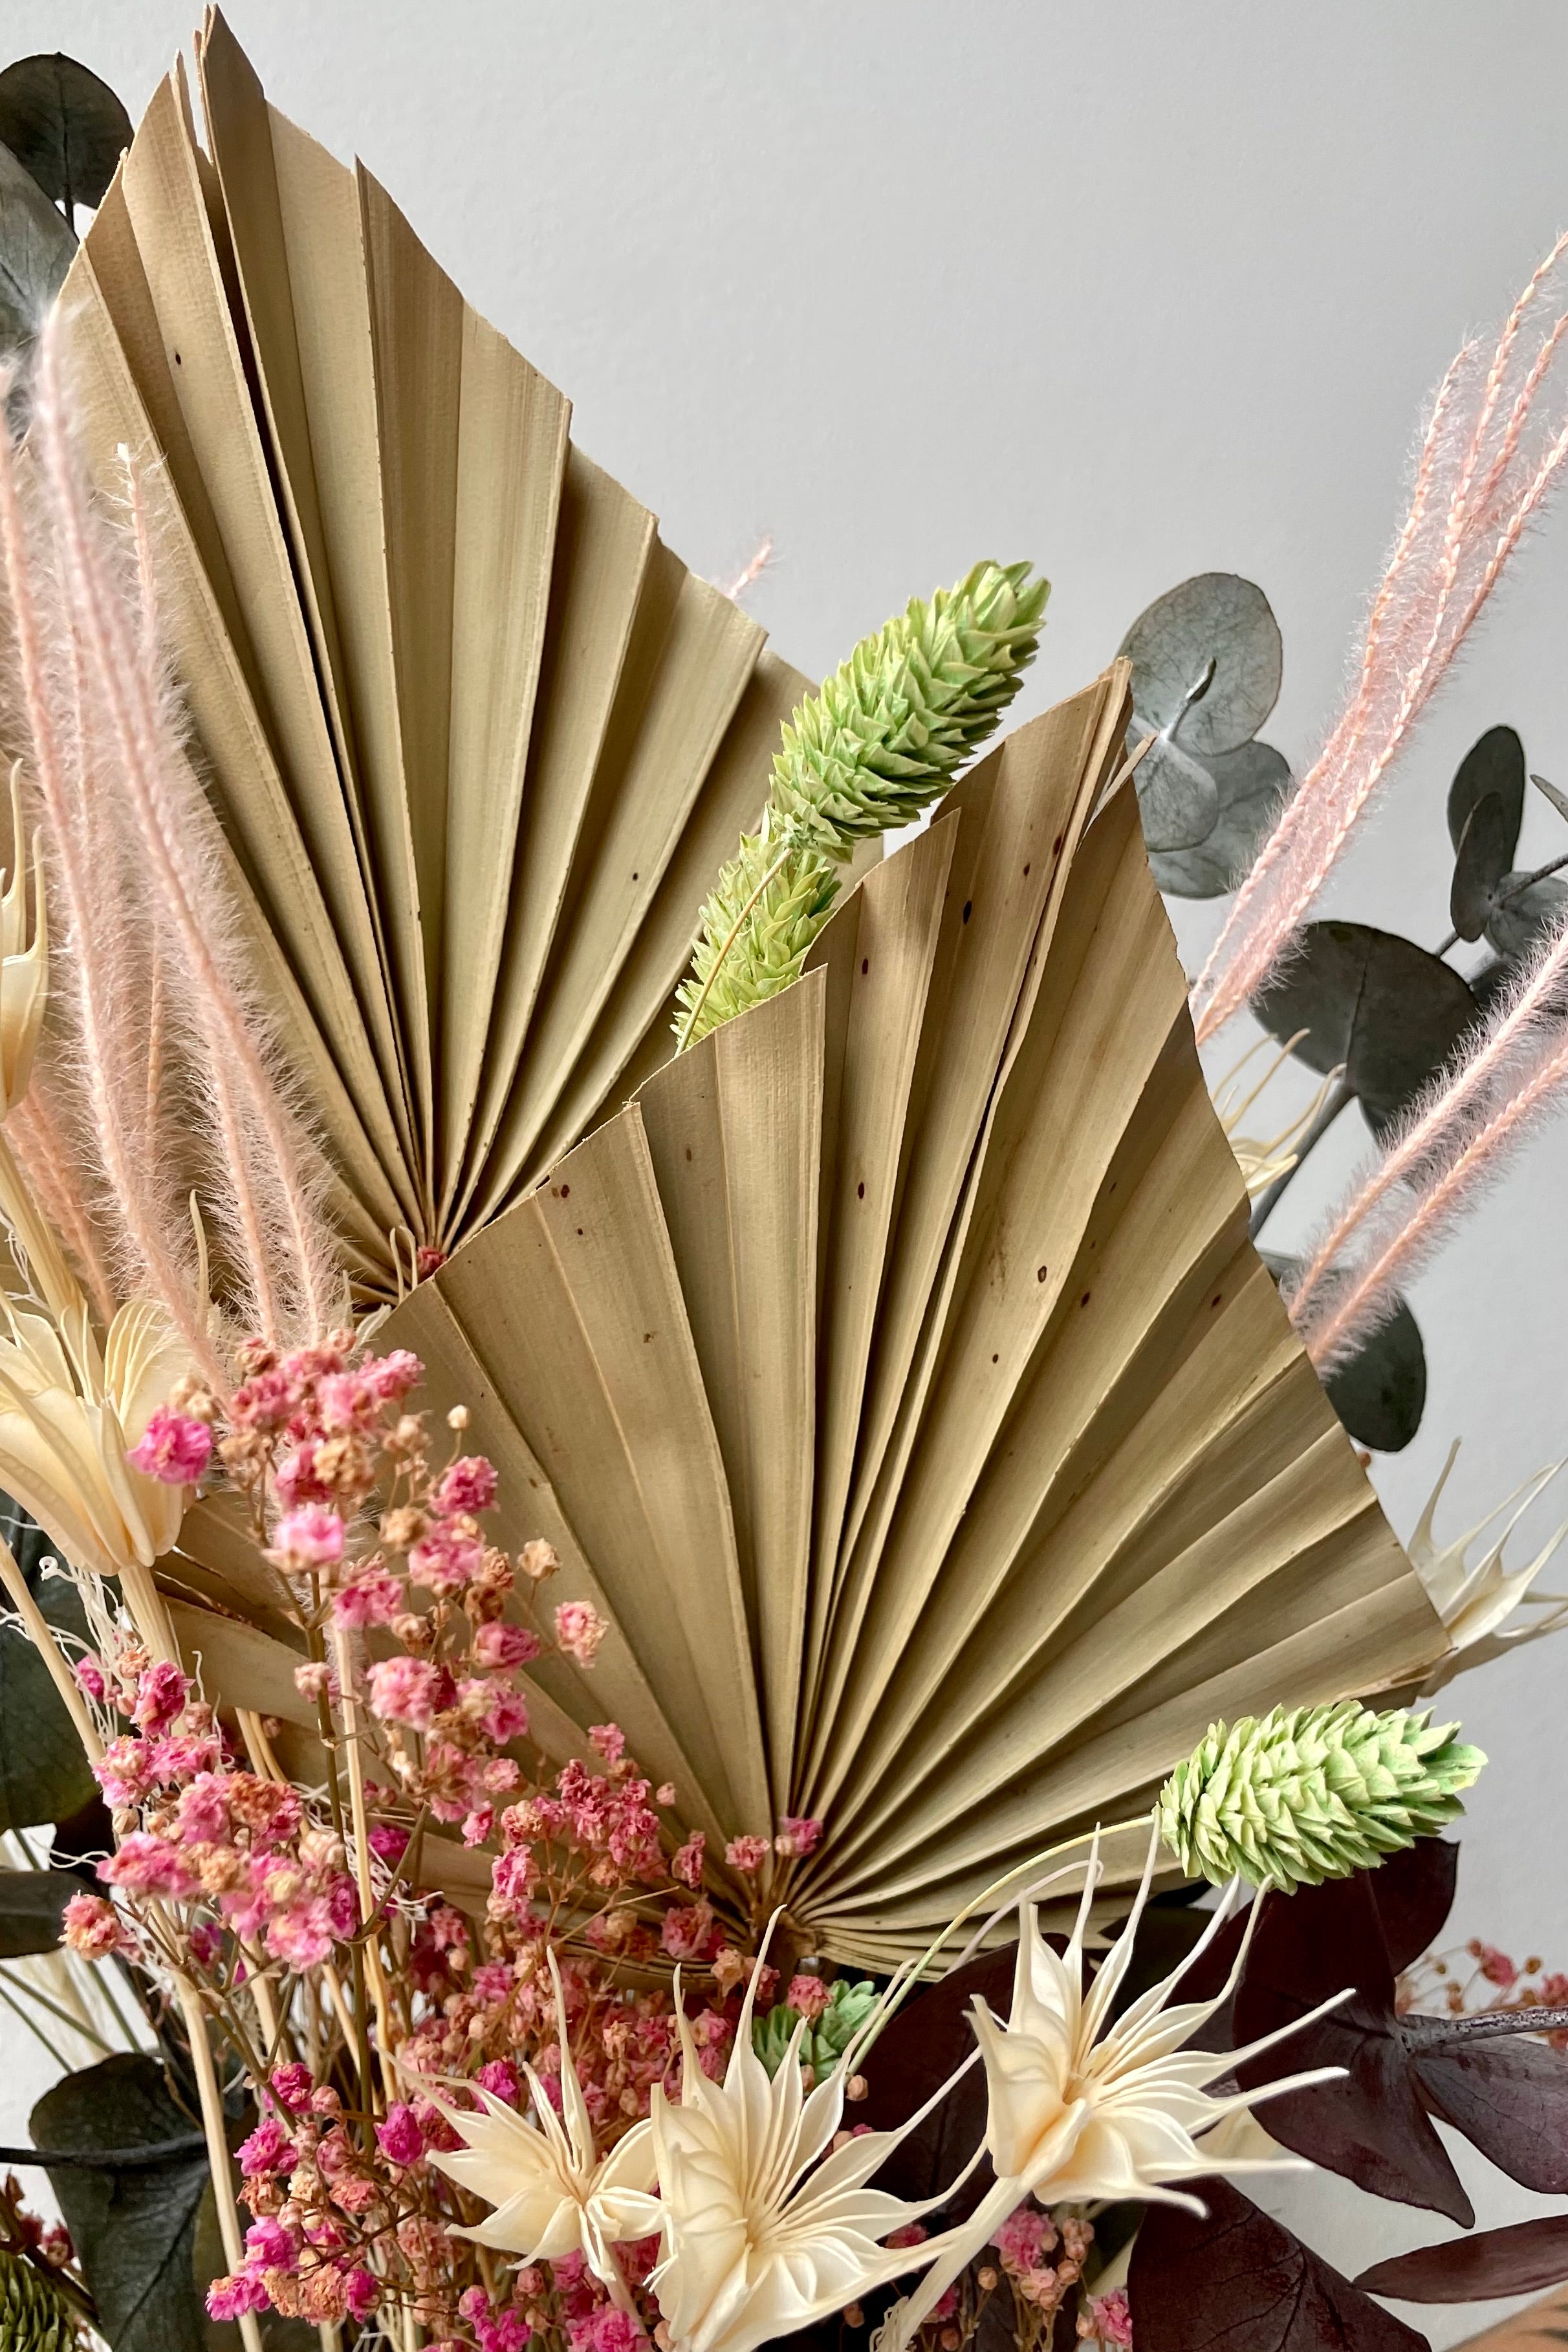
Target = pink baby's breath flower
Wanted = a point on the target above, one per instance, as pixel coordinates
(685, 1863)
(347, 1400)
(467, 1489)
(161, 1696)
(808, 1997)
(1497, 1968)
(514, 1877)
(1109, 2318)
(405, 1690)
(499, 2077)
(297, 1478)
(502, 1648)
(374, 1598)
(689, 1931)
(796, 1838)
(314, 1680)
(392, 1376)
(1024, 2238)
(388, 1840)
(747, 1853)
(478, 1825)
(502, 1714)
(446, 1558)
(93, 1928)
(362, 2293)
(89, 1672)
(270, 2247)
(145, 1864)
(124, 1772)
(310, 1535)
(174, 1448)
(291, 2085)
(268, 2150)
(232, 2297)
(579, 1630)
(609, 1739)
(206, 1944)
(400, 2138)
(203, 1811)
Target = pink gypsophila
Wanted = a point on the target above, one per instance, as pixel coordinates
(405, 1690)
(797, 1837)
(161, 1696)
(446, 1558)
(311, 1535)
(93, 1928)
(467, 1489)
(234, 2296)
(503, 1648)
(579, 1630)
(392, 1376)
(174, 1448)
(747, 1853)
(399, 2138)
(373, 1599)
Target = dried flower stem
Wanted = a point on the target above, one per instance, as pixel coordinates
(217, 2144)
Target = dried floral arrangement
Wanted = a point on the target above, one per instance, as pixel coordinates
(650, 1494)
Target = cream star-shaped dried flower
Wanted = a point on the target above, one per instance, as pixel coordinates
(553, 2194)
(1084, 2107)
(767, 2226)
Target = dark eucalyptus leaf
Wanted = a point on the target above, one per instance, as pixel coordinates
(1414, 1892)
(1374, 1004)
(64, 125)
(1491, 2263)
(910, 2060)
(1380, 1393)
(134, 2231)
(1372, 2126)
(1206, 662)
(1236, 2281)
(1493, 767)
(35, 249)
(32, 1905)
(1510, 2100)
(1522, 914)
(1484, 856)
(43, 1775)
(1252, 785)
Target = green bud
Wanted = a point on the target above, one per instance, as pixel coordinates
(34, 2317)
(822, 2044)
(863, 756)
(1311, 1793)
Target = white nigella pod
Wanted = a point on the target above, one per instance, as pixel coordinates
(767, 2227)
(552, 2193)
(1082, 2107)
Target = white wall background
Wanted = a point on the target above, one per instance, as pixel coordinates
(1134, 289)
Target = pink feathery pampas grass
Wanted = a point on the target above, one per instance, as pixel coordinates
(1455, 1140)
(1486, 461)
(164, 1039)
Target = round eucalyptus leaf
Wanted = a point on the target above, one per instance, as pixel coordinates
(1494, 764)
(1381, 1394)
(64, 125)
(35, 249)
(1371, 1003)
(1521, 915)
(134, 2229)
(1254, 782)
(1178, 798)
(1482, 859)
(1207, 661)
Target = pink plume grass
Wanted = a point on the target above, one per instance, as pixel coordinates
(1449, 1148)
(149, 1249)
(266, 1175)
(1487, 458)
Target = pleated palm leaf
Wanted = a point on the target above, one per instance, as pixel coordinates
(892, 1370)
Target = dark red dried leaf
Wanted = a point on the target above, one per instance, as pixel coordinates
(1510, 2100)
(1373, 2127)
(1237, 2280)
(1517, 2261)
(910, 2062)
(1414, 1892)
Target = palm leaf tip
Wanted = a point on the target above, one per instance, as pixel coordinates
(862, 756)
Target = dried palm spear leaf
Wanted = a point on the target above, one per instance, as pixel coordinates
(896, 1375)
